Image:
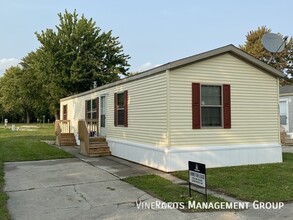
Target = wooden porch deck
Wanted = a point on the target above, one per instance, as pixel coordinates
(90, 144)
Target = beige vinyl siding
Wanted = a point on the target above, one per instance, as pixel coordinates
(146, 111)
(254, 103)
(75, 109)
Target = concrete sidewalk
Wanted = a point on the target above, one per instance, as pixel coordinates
(91, 188)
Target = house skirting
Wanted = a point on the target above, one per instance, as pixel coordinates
(176, 158)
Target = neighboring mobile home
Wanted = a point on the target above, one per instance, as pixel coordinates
(286, 108)
(219, 108)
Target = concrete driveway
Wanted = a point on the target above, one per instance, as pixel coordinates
(91, 188)
(71, 189)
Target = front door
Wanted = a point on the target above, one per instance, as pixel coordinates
(103, 116)
(284, 114)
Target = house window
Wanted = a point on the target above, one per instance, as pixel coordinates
(211, 106)
(121, 109)
(64, 112)
(91, 109)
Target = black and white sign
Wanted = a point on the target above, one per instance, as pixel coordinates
(197, 173)
(197, 177)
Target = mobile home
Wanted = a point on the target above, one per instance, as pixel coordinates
(219, 108)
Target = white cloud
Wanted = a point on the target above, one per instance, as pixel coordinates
(146, 66)
(6, 63)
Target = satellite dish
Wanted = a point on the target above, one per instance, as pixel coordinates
(273, 42)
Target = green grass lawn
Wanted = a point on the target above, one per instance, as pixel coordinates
(167, 191)
(24, 145)
(268, 182)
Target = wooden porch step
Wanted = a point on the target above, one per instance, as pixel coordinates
(97, 139)
(99, 151)
(98, 147)
(99, 144)
(289, 142)
(67, 139)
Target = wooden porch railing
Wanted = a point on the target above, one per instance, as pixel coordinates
(57, 132)
(92, 127)
(83, 136)
(64, 125)
(61, 126)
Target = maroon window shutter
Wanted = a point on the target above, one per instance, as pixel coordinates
(115, 109)
(126, 108)
(227, 106)
(196, 106)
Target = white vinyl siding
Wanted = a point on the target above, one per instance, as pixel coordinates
(254, 103)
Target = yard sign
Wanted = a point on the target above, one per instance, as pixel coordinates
(197, 177)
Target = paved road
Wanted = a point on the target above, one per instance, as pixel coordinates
(91, 188)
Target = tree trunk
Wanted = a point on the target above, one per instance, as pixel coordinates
(27, 117)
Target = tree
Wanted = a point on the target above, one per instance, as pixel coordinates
(77, 54)
(68, 61)
(283, 60)
(2, 112)
(36, 83)
(15, 92)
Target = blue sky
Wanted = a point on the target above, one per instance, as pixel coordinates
(152, 32)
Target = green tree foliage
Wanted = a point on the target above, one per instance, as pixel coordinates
(76, 55)
(69, 60)
(15, 93)
(36, 83)
(282, 60)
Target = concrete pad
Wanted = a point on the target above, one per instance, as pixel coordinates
(49, 173)
(71, 189)
(120, 170)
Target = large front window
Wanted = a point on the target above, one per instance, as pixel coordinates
(211, 106)
(91, 109)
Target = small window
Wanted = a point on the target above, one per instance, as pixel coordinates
(211, 106)
(64, 112)
(120, 109)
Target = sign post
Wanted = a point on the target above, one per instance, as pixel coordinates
(197, 177)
